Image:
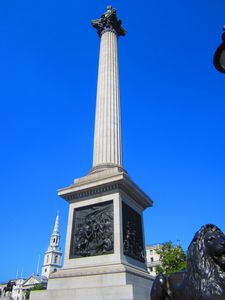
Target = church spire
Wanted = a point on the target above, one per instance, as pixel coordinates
(107, 138)
(55, 237)
(53, 255)
(54, 242)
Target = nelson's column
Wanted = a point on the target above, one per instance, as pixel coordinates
(104, 252)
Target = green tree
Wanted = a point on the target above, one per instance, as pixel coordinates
(173, 259)
(27, 295)
(38, 287)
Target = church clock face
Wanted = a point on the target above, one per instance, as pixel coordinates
(92, 231)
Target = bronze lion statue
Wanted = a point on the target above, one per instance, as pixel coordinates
(204, 278)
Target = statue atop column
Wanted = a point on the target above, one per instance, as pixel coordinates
(109, 21)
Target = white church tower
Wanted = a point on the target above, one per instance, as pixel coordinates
(53, 255)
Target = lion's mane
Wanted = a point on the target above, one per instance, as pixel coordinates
(203, 275)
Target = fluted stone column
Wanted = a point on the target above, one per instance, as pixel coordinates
(107, 137)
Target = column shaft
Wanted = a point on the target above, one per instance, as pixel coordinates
(107, 139)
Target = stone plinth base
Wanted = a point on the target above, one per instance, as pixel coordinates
(121, 283)
(121, 273)
(113, 293)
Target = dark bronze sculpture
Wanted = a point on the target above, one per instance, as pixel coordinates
(8, 288)
(132, 234)
(109, 21)
(92, 232)
(204, 278)
(219, 56)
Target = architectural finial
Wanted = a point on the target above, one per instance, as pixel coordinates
(109, 22)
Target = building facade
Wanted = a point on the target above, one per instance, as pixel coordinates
(18, 292)
(153, 258)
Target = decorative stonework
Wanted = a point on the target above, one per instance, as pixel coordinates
(93, 191)
(92, 232)
(132, 234)
(109, 22)
(101, 167)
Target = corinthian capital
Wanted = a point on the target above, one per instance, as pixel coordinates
(109, 22)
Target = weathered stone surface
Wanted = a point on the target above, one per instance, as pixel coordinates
(119, 283)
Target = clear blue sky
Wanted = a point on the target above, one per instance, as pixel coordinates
(173, 113)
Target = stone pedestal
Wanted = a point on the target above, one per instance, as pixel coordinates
(111, 264)
(117, 283)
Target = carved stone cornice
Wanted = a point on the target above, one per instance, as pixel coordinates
(102, 167)
(105, 182)
(103, 270)
(109, 22)
(92, 192)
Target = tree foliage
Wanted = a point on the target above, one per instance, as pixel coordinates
(38, 287)
(172, 258)
(27, 295)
